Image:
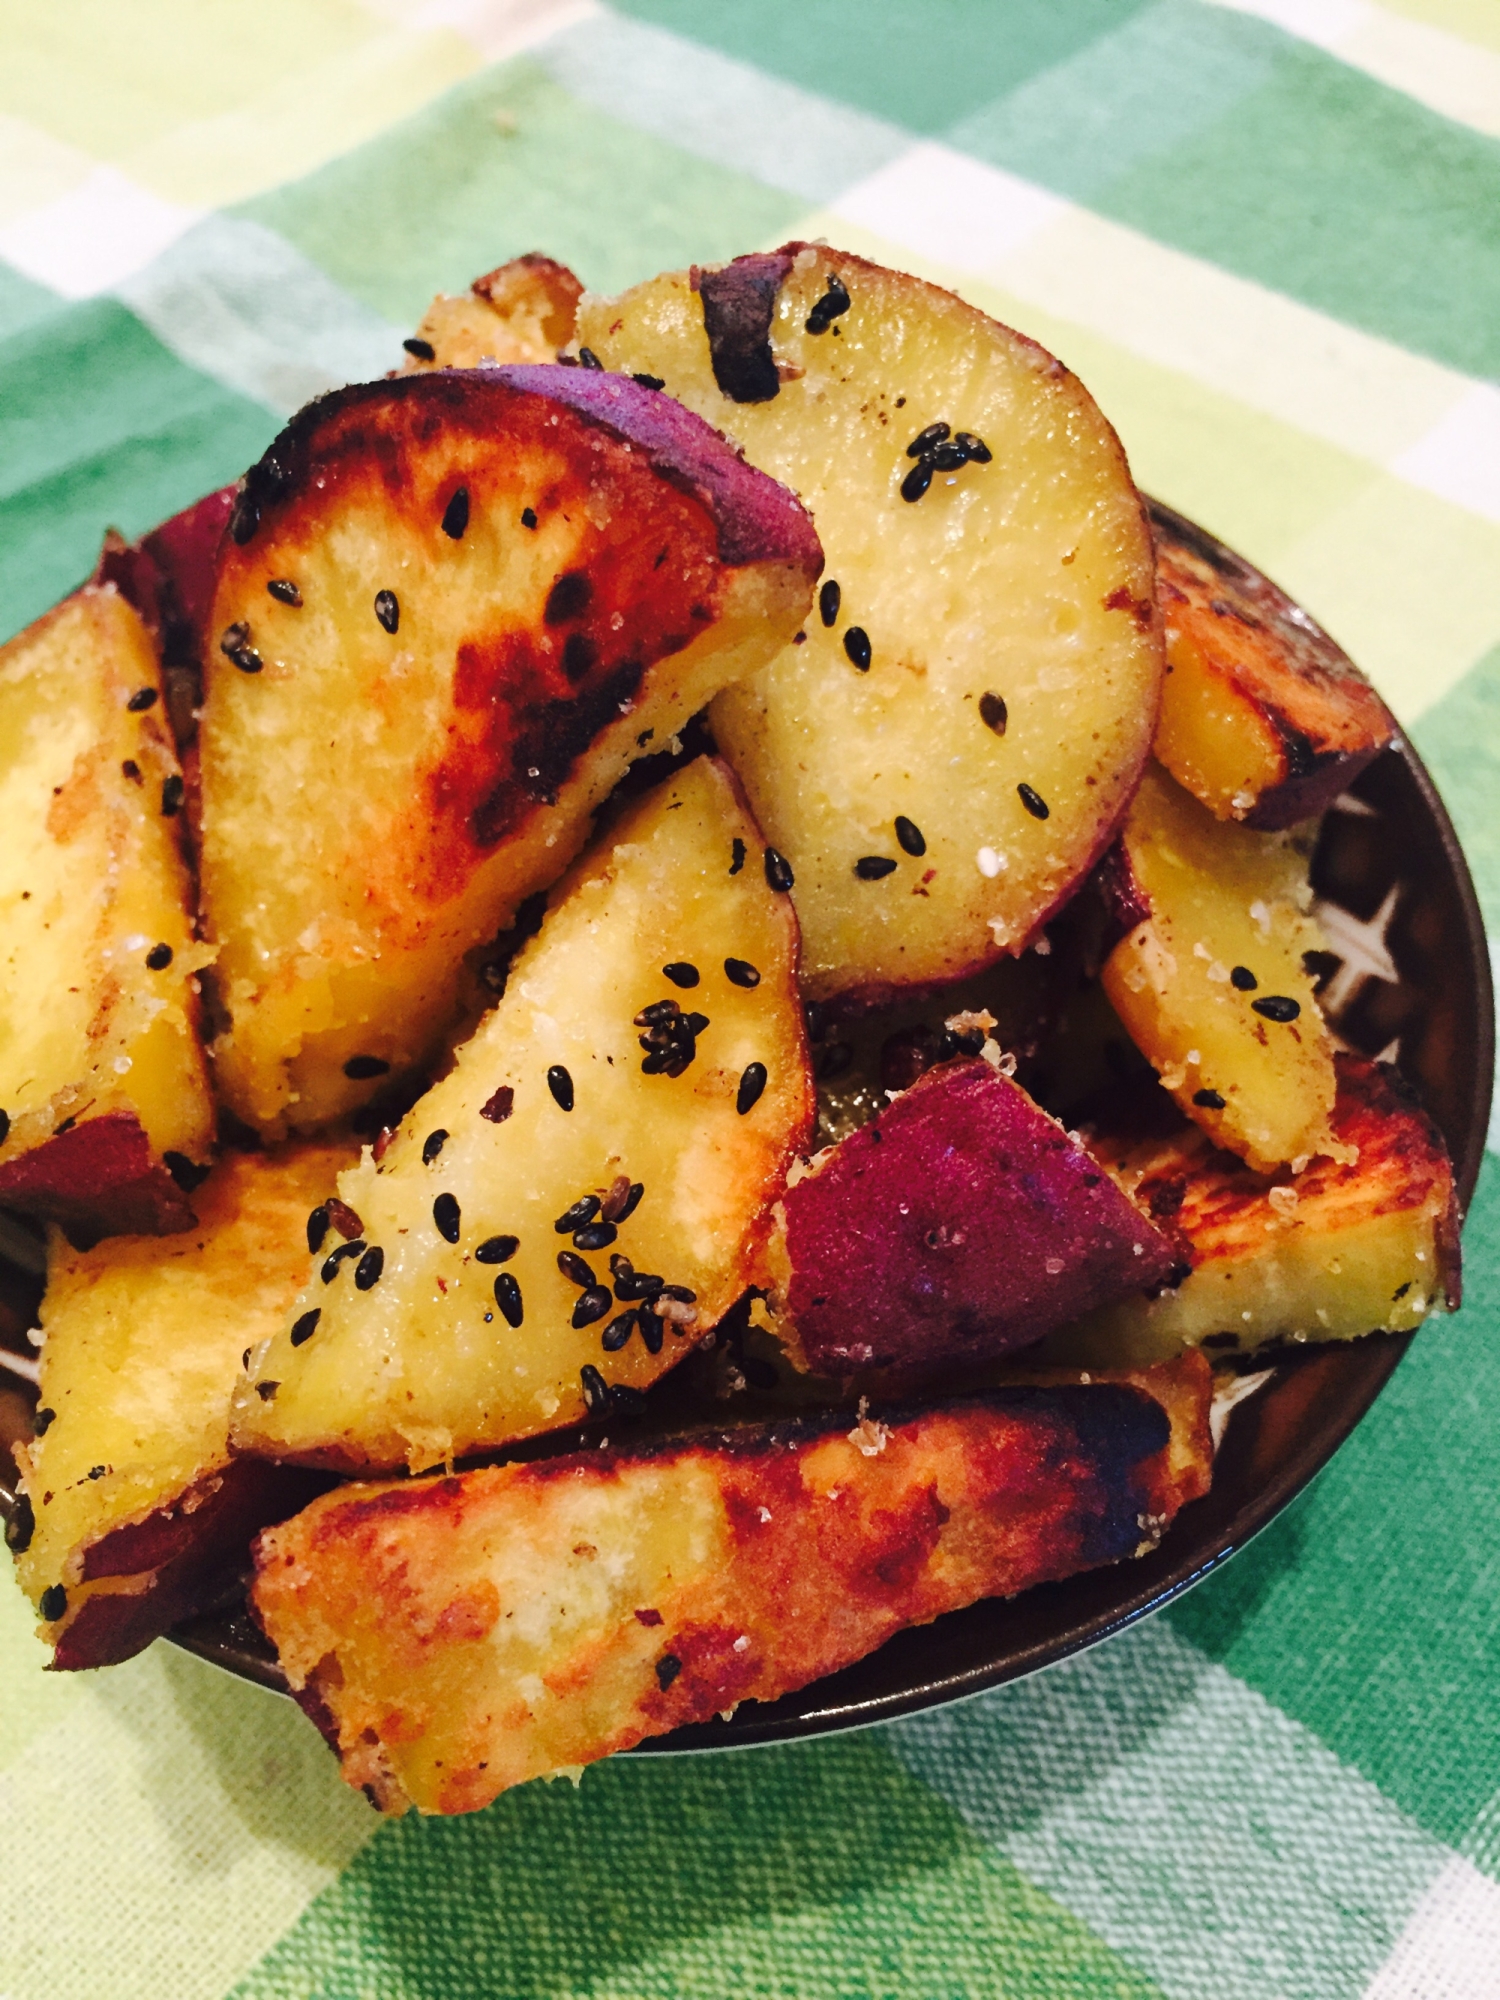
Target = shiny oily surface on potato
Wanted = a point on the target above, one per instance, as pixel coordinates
(1212, 986)
(451, 609)
(466, 1317)
(97, 956)
(985, 661)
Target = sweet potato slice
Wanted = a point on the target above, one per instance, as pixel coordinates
(1263, 718)
(522, 311)
(1211, 982)
(451, 609)
(1363, 1245)
(949, 744)
(132, 1505)
(961, 1224)
(623, 1118)
(457, 1636)
(102, 1077)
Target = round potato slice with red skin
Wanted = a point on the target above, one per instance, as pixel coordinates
(944, 749)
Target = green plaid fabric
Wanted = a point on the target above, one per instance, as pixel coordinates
(1267, 234)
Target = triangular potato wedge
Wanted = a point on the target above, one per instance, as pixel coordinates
(131, 1503)
(102, 1076)
(622, 1119)
(945, 752)
(522, 311)
(451, 609)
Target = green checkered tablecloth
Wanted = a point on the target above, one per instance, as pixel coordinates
(1267, 234)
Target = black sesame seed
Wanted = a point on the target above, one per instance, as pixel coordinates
(528, 517)
(245, 518)
(740, 972)
(917, 481)
(752, 1083)
(172, 794)
(1034, 803)
(1208, 1100)
(387, 609)
(187, 1173)
(508, 1298)
(993, 713)
(1277, 1007)
(456, 514)
(975, 449)
(561, 1085)
(130, 769)
(857, 646)
(360, 1068)
(871, 867)
(317, 1228)
(736, 856)
(1242, 977)
(924, 441)
(631, 1203)
(649, 381)
(432, 1145)
(234, 644)
(159, 957)
(595, 1236)
(97, 1471)
(304, 1328)
(680, 1293)
(141, 700)
(695, 1023)
(583, 1210)
(591, 1305)
(681, 973)
(285, 592)
(43, 1421)
(668, 1667)
(595, 1389)
(949, 457)
(331, 1262)
(344, 1220)
(587, 358)
(653, 1330)
(778, 871)
(829, 599)
(833, 305)
(367, 1271)
(497, 1249)
(21, 1526)
(54, 1602)
(446, 1217)
(618, 1331)
(575, 1270)
(422, 350)
(909, 835)
(568, 598)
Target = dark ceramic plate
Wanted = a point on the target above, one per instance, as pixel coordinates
(1396, 898)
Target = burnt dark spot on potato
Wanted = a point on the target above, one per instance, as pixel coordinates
(568, 598)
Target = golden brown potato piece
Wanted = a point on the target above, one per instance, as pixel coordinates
(451, 609)
(455, 1636)
(1263, 718)
(944, 750)
(522, 311)
(1343, 1249)
(1210, 980)
(587, 1192)
(103, 1088)
(130, 1502)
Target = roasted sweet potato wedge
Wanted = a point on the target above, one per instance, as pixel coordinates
(451, 609)
(522, 311)
(961, 1224)
(1210, 980)
(944, 749)
(1263, 718)
(103, 1087)
(455, 1636)
(588, 1191)
(131, 1505)
(1364, 1245)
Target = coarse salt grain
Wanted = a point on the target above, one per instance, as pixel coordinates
(989, 862)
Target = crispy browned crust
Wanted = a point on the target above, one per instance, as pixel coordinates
(1221, 1207)
(1269, 659)
(99, 1179)
(538, 283)
(813, 1542)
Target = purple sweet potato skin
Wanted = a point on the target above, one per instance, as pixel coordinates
(758, 520)
(962, 1224)
(99, 1179)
